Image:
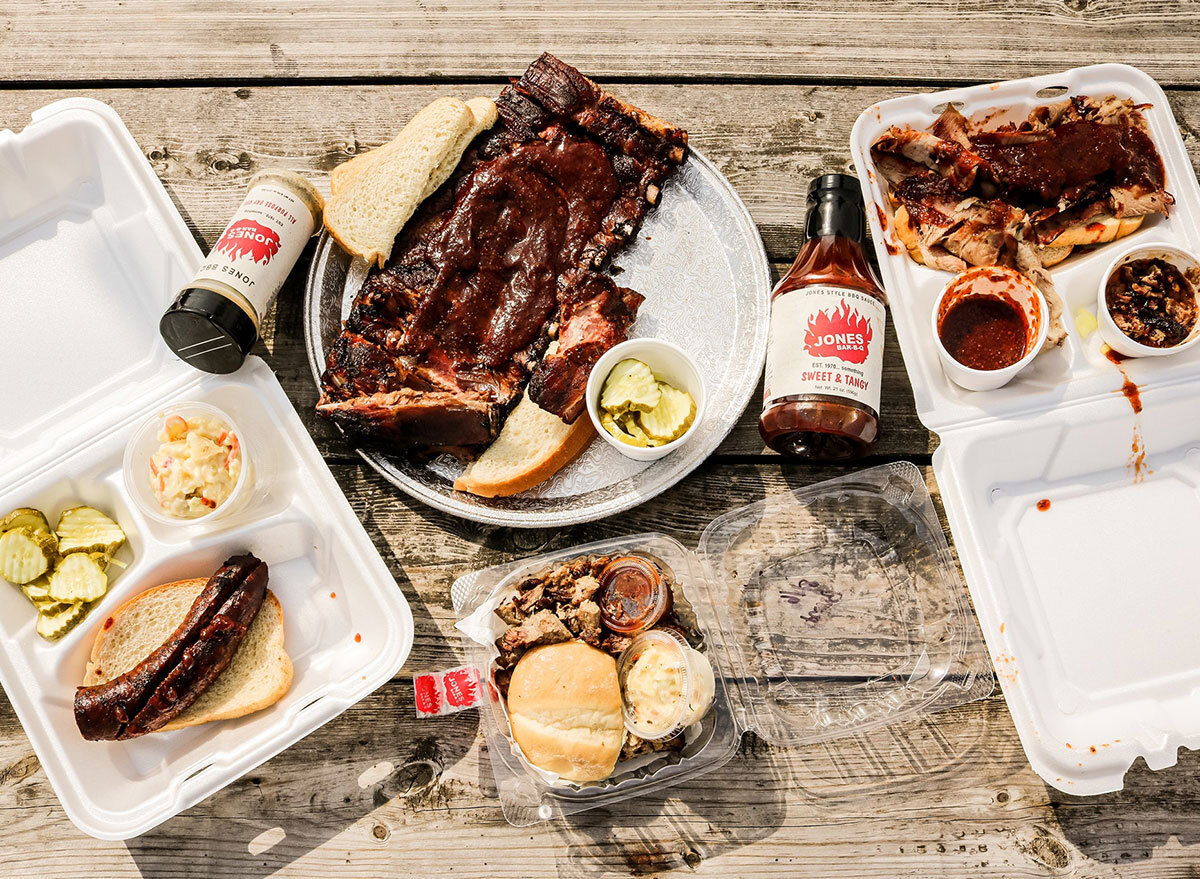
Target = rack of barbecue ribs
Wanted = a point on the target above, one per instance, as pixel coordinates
(506, 257)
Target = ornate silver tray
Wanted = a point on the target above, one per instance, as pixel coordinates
(700, 264)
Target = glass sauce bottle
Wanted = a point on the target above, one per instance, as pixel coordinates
(825, 350)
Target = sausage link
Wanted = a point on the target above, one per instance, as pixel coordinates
(204, 660)
(103, 711)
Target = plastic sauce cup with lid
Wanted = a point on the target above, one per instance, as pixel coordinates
(988, 324)
(632, 595)
(145, 443)
(666, 686)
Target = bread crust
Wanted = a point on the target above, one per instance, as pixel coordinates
(571, 447)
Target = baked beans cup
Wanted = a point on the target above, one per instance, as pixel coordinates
(991, 282)
(1188, 265)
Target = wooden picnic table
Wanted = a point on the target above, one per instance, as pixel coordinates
(215, 90)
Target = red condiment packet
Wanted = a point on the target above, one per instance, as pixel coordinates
(447, 692)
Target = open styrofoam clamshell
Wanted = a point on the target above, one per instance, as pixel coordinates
(91, 251)
(833, 616)
(1087, 601)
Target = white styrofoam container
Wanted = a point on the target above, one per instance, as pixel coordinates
(1087, 607)
(91, 251)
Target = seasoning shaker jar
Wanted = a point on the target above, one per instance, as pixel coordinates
(214, 321)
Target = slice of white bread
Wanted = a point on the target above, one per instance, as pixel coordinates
(483, 114)
(377, 193)
(532, 446)
(564, 705)
(258, 676)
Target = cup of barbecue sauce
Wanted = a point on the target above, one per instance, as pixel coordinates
(633, 595)
(989, 323)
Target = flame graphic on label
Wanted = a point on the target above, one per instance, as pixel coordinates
(840, 332)
(246, 237)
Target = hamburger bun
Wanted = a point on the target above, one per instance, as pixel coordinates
(564, 704)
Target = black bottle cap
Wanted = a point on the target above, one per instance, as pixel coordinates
(835, 207)
(208, 330)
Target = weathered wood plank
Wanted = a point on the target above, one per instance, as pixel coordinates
(429, 804)
(930, 40)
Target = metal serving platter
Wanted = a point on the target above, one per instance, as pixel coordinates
(700, 263)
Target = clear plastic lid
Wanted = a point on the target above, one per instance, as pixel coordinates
(826, 613)
(844, 608)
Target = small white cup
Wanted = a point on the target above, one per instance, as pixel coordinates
(1111, 333)
(144, 443)
(670, 364)
(1037, 315)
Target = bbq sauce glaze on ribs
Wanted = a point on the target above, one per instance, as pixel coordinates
(501, 260)
(1001, 195)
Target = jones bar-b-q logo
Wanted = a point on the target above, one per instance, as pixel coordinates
(248, 237)
(840, 332)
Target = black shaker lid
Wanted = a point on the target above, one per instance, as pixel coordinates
(208, 331)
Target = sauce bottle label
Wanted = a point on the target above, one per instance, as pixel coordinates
(825, 340)
(260, 245)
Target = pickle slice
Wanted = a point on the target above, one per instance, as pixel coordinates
(37, 590)
(79, 577)
(672, 417)
(25, 554)
(86, 529)
(59, 621)
(610, 424)
(630, 385)
(631, 424)
(25, 517)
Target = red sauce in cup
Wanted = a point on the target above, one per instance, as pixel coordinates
(633, 596)
(984, 332)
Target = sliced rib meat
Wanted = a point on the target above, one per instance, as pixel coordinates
(596, 314)
(408, 417)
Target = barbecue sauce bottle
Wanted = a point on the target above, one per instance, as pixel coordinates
(825, 350)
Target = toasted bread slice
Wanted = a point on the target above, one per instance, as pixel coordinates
(483, 114)
(532, 446)
(258, 676)
(374, 198)
(1052, 254)
(1098, 230)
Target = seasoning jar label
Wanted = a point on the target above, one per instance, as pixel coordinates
(260, 245)
(825, 340)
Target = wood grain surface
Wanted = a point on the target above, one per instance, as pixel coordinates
(213, 91)
(853, 40)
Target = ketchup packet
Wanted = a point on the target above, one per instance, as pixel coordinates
(447, 692)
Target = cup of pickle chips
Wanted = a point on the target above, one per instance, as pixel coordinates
(645, 398)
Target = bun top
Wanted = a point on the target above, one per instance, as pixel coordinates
(564, 704)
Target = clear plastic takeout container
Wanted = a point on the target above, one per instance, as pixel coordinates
(1072, 490)
(826, 613)
(91, 251)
